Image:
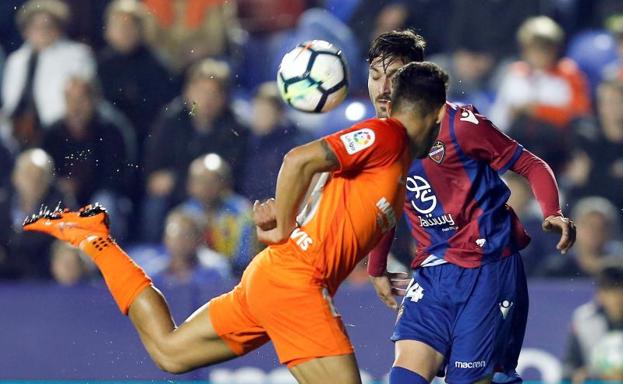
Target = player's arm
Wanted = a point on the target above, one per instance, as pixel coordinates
(545, 189)
(386, 284)
(480, 139)
(297, 170)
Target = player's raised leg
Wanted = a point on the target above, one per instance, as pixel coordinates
(174, 349)
(193, 344)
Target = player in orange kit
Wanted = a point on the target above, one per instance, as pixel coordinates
(285, 292)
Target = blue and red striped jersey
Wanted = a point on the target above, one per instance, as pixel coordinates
(456, 200)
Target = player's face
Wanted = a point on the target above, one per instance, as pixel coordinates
(380, 75)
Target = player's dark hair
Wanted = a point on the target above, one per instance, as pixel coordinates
(406, 45)
(419, 85)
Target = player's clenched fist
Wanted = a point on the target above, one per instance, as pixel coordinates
(264, 214)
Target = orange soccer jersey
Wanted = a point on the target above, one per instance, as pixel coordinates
(349, 210)
(285, 293)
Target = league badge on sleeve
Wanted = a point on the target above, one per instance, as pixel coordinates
(358, 140)
(437, 152)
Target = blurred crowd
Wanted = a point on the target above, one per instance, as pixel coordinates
(166, 112)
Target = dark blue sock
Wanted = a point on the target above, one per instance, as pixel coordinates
(399, 375)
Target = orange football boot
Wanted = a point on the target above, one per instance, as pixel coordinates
(90, 222)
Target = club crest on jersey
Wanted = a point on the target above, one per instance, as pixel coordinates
(437, 152)
(358, 140)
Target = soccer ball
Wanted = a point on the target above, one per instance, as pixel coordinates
(313, 77)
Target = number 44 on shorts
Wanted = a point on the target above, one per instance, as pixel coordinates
(415, 292)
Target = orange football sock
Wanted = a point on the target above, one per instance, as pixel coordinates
(124, 278)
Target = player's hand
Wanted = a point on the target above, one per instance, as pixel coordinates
(272, 236)
(565, 227)
(264, 214)
(390, 284)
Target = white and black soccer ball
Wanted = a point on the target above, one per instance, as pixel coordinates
(313, 77)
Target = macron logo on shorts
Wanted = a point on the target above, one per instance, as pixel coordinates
(470, 364)
(358, 140)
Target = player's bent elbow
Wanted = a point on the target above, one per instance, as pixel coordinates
(170, 365)
(168, 361)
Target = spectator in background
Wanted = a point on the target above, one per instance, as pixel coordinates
(200, 121)
(68, 265)
(35, 75)
(597, 163)
(615, 26)
(183, 239)
(33, 187)
(542, 86)
(490, 23)
(189, 30)
(262, 17)
(229, 229)
(472, 70)
(269, 32)
(90, 154)
(596, 337)
(133, 78)
(373, 17)
(598, 231)
(272, 136)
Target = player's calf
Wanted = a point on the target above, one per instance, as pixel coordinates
(88, 229)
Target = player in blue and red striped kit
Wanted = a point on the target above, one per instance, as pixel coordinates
(465, 310)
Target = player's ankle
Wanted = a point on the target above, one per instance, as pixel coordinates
(95, 243)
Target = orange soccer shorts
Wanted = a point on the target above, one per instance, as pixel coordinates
(279, 298)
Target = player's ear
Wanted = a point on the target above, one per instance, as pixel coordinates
(441, 113)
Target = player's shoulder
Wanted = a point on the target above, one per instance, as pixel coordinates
(375, 132)
(379, 128)
(466, 116)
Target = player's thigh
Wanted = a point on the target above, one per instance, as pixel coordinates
(176, 350)
(418, 357)
(233, 322)
(423, 330)
(302, 323)
(489, 331)
(341, 369)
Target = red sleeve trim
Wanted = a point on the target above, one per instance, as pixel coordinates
(542, 180)
(377, 259)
